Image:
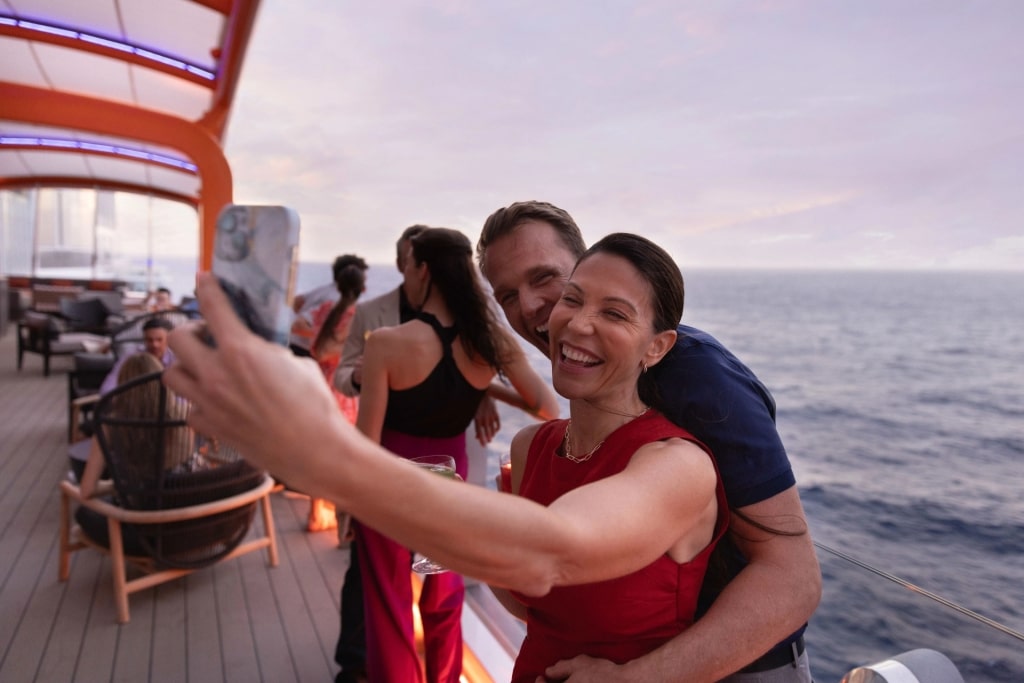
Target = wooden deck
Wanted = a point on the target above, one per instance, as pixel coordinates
(237, 621)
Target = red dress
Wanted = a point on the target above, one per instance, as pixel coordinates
(329, 359)
(619, 619)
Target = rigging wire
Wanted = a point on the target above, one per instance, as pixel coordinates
(928, 594)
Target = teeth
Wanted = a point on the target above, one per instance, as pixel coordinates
(578, 356)
(542, 329)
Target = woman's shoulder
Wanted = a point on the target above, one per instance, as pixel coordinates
(390, 335)
(521, 443)
(405, 340)
(548, 430)
(526, 434)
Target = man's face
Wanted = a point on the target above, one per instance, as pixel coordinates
(411, 277)
(155, 341)
(527, 270)
(162, 301)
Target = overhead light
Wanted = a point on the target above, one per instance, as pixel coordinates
(108, 42)
(98, 147)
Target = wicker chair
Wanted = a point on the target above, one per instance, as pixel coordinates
(84, 383)
(179, 503)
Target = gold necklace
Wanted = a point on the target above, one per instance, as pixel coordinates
(568, 451)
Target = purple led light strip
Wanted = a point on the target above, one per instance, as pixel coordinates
(75, 34)
(103, 148)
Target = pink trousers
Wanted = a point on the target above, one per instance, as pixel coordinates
(387, 595)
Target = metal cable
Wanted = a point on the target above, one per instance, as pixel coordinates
(928, 594)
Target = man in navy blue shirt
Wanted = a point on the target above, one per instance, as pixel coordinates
(752, 629)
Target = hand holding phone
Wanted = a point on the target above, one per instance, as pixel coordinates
(254, 258)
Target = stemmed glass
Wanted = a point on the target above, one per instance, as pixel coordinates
(445, 466)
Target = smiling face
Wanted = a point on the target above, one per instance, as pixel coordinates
(602, 333)
(527, 270)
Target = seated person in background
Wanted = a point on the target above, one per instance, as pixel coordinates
(137, 404)
(154, 334)
(158, 300)
(154, 341)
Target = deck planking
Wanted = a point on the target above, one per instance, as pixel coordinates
(237, 621)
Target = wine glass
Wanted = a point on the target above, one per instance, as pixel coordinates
(445, 466)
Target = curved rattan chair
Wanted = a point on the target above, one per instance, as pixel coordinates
(84, 382)
(179, 503)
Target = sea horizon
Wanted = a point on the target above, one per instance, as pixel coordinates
(900, 400)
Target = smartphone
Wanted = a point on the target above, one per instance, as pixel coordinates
(255, 258)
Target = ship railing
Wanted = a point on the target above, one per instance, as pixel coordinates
(868, 614)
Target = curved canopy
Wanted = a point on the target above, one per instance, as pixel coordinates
(129, 95)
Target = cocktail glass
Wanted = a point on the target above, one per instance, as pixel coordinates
(445, 466)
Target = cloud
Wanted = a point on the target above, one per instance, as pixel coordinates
(775, 239)
(1004, 253)
(879, 134)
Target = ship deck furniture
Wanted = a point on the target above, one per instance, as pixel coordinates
(236, 621)
(239, 620)
(47, 336)
(181, 520)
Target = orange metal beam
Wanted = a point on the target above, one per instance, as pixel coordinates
(237, 32)
(64, 110)
(28, 182)
(94, 48)
(222, 6)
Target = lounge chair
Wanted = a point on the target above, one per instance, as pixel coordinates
(48, 336)
(177, 504)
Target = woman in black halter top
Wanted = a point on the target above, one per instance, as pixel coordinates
(422, 383)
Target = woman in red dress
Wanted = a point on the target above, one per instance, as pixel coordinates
(330, 329)
(603, 550)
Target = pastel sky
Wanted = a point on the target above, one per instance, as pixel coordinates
(757, 133)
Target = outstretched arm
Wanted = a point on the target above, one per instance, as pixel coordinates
(89, 485)
(260, 398)
(769, 599)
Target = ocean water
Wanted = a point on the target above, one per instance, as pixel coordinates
(901, 403)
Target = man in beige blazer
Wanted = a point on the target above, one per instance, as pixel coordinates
(386, 310)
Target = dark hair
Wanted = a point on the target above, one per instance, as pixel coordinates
(449, 259)
(163, 290)
(662, 275)
(350, 279)
(407, 235)
(504, 221)
(343, 262)
(158, 323)
(667, 297)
